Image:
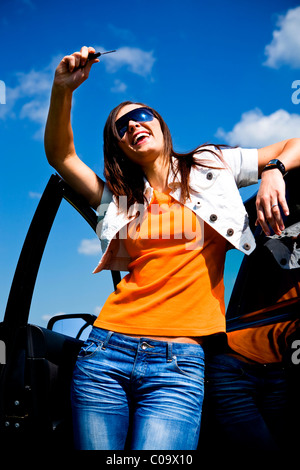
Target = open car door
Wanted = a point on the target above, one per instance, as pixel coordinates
(36, 373)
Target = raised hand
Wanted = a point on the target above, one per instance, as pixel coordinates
(74, 69)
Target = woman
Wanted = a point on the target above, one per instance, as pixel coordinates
(168, 219)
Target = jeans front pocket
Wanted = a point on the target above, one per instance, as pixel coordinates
(89, 348)
(190, 366)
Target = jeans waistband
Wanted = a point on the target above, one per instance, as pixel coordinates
(145, 344)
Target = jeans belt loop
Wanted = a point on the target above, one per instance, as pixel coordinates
(109, 334)
(169, 352)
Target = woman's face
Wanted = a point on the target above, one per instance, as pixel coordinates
(143, 142)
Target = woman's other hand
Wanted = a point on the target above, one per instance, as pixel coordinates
(270, 198)
(271, 201)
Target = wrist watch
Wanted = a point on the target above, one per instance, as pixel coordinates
(275, 163)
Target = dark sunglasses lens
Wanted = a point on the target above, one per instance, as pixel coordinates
(122, 131)
(138, 115)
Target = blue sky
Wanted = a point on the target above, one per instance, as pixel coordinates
(222, 72)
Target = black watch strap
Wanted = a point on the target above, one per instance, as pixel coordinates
(275, 163)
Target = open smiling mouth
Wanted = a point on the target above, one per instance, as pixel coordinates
(139, 138)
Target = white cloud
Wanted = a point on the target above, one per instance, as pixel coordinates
(34, 82)
(97, 309)
(34, 195)
(45, 318)
(89, 247)
(29, 99)
(285, 45)
(135, 60)
(36, 111)
(257, 130)
(119, 87)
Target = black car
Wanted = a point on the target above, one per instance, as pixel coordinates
(36, 363)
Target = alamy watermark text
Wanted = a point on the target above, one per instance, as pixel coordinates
(2, 352)
(296, 93)
(2, 92)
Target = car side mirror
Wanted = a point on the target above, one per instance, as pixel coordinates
(73, 324)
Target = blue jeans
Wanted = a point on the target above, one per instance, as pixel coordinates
(248, 402)
(137, 393)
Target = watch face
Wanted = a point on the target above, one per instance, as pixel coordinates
(278, 164)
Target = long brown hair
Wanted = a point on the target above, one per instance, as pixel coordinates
(126, 178)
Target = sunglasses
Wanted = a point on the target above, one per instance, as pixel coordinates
(138, 115)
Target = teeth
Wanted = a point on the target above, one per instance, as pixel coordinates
(139, 136)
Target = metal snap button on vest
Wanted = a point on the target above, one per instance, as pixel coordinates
(209, 176)
(230, 232)
(213, 217)
(246, 246)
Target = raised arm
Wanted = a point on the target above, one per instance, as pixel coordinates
(72, 71)
(271, 194)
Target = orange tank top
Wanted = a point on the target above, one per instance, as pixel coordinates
(175, 282)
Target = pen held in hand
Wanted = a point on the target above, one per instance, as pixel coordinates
(94, 55)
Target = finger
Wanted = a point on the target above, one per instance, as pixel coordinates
(271, 213)
(91, 50)
(77, 56)
(279, 207)
(276, 221)
(84, 51)
(83, 58)
(70, 61)
(269, 217)
(283, 203)
(261, 220)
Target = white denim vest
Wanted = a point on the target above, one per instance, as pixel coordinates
(214, 198)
